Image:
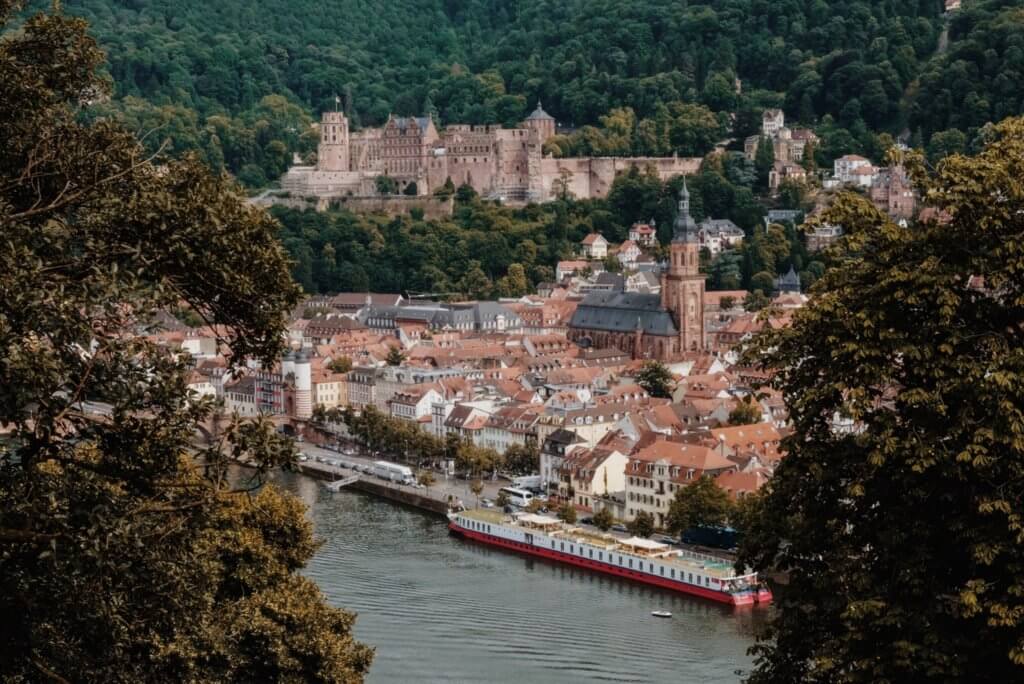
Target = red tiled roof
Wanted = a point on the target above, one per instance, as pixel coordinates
(686, 456)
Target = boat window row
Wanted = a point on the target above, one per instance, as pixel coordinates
(478, 526)
(625, 561)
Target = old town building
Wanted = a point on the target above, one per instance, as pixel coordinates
(892, 193)
(652, 326)
(657, 471)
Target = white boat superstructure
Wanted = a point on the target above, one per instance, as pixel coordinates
(635, 558)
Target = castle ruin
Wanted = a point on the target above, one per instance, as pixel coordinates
(499, 163)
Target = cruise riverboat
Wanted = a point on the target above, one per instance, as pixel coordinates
(635, 558)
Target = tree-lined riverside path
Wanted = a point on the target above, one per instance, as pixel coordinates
(433, 498)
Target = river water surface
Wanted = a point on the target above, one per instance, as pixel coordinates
(439, 609)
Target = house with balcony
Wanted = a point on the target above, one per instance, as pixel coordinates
(655, 472)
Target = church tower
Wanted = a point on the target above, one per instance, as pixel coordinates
(682, 286)
(333, 152)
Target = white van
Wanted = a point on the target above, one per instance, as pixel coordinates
(516, 497)
(393, 472)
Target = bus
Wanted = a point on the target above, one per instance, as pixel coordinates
(393, 472)
(516, 497)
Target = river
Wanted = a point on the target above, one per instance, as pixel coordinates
(439, 609)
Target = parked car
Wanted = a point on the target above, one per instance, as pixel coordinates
(586, 521)
(665, 539)
(303, 458)
(619, 527)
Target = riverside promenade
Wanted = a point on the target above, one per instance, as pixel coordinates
(434, 498)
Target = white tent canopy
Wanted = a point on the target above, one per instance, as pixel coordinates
(646, 544)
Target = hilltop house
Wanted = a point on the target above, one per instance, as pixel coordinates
(595, 246)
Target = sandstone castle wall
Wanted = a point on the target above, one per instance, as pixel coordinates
(500, 163)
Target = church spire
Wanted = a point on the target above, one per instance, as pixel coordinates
(686, 227)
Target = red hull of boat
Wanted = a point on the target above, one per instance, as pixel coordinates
(743, 599)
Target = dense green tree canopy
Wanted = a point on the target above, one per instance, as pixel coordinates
(700, 503)
(486, 250)
(642, 77)
(897, 509)
(977, 79)
(125, 556)
(656, 379)
(642, 525)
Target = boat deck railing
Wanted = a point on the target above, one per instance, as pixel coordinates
(682, 558)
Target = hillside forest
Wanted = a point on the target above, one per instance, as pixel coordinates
(241, 81)
(486, 250)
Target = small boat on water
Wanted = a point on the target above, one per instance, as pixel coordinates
(336, 485)
(661, 613)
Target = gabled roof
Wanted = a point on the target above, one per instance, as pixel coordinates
(403, 122)
(621, 311)
(739, 482)
(563, 436)
(742, 435)
(358, 299)
(592, 238)
(695, 456)
(724, 226)
(572, 265)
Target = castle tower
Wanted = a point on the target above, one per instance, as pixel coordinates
(541, 122)
(682, 286)
(333, 151)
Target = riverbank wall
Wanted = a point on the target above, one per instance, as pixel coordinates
(416, 498)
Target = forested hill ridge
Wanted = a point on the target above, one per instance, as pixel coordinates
(203, 70)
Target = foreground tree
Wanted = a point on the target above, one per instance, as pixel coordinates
(603, 519)
(477, 487)
(567, 512)
(656, 379)
(522, 460)
(125, 556)
(702, 503)
(905, 534)
(342, 364)
(395, 356)
(746, 412)
(642, 525)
